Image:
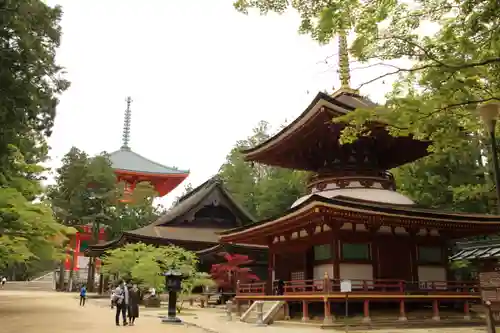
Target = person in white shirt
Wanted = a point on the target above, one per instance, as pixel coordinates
(4, 280)
(121, 301)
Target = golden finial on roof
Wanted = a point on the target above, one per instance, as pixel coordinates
(344, 70)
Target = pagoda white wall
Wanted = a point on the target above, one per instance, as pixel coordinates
(356, 272)
(432, 273)
(370, 194)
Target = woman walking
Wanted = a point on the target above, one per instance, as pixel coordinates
(133, 307)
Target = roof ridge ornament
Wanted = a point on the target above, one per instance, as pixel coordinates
(344, 68)
(126, 125)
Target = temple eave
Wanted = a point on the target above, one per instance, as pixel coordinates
(181, 174)
(313, 215)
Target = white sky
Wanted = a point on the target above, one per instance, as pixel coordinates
(201, 76)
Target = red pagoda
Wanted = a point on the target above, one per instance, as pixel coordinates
(353, 234)
(132, 168)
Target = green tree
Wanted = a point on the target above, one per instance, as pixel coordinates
(265, 191)
(28, 230)
(450, 73)
(137, 212)
(144, 264)
(31, 80)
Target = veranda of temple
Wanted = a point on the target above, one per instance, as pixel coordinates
(353, 225)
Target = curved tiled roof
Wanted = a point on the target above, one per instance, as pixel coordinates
(127, 160)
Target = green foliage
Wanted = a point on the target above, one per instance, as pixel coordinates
(453, 49)
(264, 191)
(28, 230)
(31, 81)
(86, 190)
(321, 19)
(137, 212)
(143, 264)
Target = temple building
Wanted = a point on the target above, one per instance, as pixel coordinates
(194, 223)
(353, 225)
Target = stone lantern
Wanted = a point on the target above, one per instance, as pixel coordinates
(173, 281)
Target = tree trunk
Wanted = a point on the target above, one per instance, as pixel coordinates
(62, 273)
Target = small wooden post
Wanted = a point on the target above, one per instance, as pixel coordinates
(402, 311)
(286, 307)
(326, 283)
(328, 315)
(435, 310)
(229, 310)
(305, 311)
(366, 311)
(466, 310)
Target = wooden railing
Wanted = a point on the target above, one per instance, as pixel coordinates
(322, 286)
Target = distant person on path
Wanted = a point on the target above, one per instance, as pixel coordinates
(121, 302)
(83, 295)
(4, 280)
(133, 306)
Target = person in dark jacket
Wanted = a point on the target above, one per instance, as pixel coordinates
(133, 305)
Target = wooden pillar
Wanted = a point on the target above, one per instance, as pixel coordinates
(366, 311)
(286, 308)
(466, 310)
(402, 311)
(414, 256)
(270, 271)
(305, 311)
(328, 320)
(435, 310)
(336, 257)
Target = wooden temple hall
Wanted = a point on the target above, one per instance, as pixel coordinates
(354, 225)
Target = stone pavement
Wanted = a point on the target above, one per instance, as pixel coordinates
(51, 312)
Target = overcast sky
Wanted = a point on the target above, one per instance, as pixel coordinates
(201, 76)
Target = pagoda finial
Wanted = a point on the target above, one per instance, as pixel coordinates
(344, 70)
(345, 73)
(126, 125)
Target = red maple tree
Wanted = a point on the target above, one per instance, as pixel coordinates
(228, 273)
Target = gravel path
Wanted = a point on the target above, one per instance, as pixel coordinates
(50, 312)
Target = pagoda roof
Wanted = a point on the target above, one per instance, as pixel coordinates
(356, 209)
(315, 126)
(128, 161)
(170, 228)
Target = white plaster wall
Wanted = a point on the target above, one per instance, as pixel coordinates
(319, 274)
(431, 273)
(356, 272)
